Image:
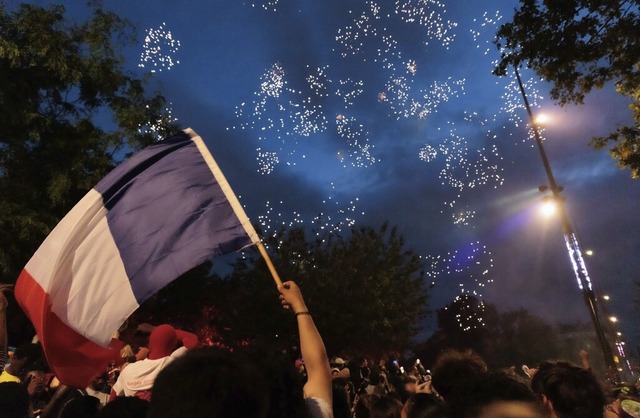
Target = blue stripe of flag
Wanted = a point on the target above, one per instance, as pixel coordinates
(167, 214)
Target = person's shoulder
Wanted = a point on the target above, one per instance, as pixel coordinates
(8, 377)
(179, 352)
(134, 369)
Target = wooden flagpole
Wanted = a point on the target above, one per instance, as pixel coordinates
(267, 259)
(233, 200)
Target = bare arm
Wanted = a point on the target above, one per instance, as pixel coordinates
(313, 351)
(584, 360)
(188, 339)
(4, 340)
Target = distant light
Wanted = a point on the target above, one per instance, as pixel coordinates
(613, 319)
(589, 252)
(619, 334)
(606, 297)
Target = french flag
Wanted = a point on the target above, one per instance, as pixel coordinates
(160, 213)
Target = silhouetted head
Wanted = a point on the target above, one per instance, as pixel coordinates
(386, 407)
(569, 389)
(423, 405)
(125, 407)
(81, 407)
(215, 382)
(14, 400)
(453, 368)
(494, 394)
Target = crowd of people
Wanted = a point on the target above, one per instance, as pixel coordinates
(173, 376)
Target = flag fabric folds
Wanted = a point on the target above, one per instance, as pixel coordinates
(160, 213)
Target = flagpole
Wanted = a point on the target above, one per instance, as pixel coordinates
(267, 259)
(233, 200)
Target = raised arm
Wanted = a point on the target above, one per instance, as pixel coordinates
(4, 343)
(311, 345)
(584, 360)
(188, 339)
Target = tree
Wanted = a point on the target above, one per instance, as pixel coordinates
(579, 45)
(365, 291)
(68, 113)
(522, 338)
(505, 339)
(462, 325)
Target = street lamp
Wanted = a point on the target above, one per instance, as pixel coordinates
(571, 240)
(623, 365)
(548, 208)
(541, 119)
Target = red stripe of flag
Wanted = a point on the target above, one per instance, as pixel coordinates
(64, 348)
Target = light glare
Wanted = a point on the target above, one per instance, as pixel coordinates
(548, 208)
(542, 119)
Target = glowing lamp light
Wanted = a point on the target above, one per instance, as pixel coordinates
(541, 119)
(548, 208)
(606, 297)
(613, 319)
(589, 252)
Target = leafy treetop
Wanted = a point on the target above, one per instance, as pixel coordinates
(578, 46)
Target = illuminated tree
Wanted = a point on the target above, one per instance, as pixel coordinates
(505, 339)
(365, 291)
(579, 45)
(462, 325)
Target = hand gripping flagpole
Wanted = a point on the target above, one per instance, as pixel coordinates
(234, 202)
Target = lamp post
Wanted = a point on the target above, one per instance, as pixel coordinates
(571, 240)
(623, 365)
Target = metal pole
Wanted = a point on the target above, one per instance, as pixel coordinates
(571, 240)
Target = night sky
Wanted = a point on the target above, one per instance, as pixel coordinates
(374, 111)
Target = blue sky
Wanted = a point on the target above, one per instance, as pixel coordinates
(387, 111)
